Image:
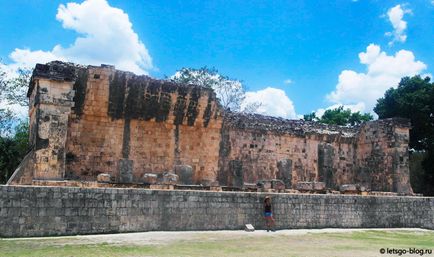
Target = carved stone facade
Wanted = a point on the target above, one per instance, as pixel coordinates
(86, 121)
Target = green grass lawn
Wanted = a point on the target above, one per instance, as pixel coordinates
(359, 243)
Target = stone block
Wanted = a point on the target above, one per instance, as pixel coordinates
(126, 171)
(348, 188)
(319, 186)
(215, 188)
(249, 186)
(277, 184)
(150, 178)
(264, 184)
(185, 174)
(103, 178)
(168, 178)
(304, 186)
(236, 173)
(291, 191)
(334, 192)
(214, 184)
(284, 173)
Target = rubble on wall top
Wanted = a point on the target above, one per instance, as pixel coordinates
(396, 121)
(67, 71)
(259, 122)
(55, 70)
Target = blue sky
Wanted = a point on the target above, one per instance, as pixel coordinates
(294, 56)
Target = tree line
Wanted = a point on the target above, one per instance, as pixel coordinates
(13, 128)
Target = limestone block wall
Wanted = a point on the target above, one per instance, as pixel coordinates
(128, 125)
(51, 99)
(87, 120)
(256, 147)
(383, 158)
(43, 211)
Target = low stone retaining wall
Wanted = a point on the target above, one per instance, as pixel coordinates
(47, 211)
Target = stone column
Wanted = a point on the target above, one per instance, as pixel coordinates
(53, 102)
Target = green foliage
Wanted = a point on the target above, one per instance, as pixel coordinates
(13, 91)
(206, 77)
(414, 99)
(230, 92)
(12, 151)
(339, 116)
(7, 121)
(16, 88)
(13, 129)
(310, 117)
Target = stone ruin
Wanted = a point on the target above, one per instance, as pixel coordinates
(98, 126)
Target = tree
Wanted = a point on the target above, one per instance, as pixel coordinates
(12, 150)
(16, 87)
(230, 92)
(13, 128)
(5, 114)
(414, 99)
(310, 117)
(339, 116)
(13, 91)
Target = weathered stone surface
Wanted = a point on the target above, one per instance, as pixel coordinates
(236, 173)
(277, 184)
(150, 178)
(207, 182)
(249, 186)
(284, 168)
(215, 188)
(292, 191)
(168, 178)
(126, 171)
(304, 186)
(53, 211)
(161, 186)
(185, 173)
(264, 184)
(326, 169)
(348, 188)
(319, 186)
(313, 186)
(90, 120)
(103, 178)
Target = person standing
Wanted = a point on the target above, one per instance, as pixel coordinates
(268, 214)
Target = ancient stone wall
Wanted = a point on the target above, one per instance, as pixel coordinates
(86, 121)
(129, 125)
(383, 158)
(258, 147)
(374, 155)
(43, 211)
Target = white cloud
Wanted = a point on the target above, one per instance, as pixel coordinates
(383, 71)
(396, 15)
(288, 81)
(274, 102)
(105, 36)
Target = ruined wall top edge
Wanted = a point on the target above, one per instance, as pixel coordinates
(66, 71)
